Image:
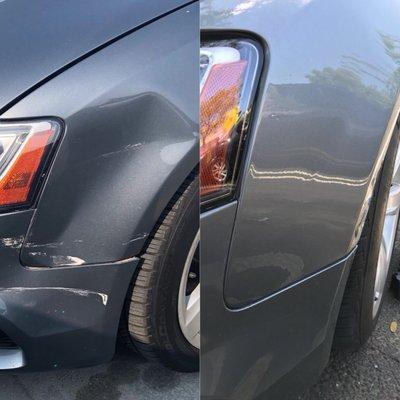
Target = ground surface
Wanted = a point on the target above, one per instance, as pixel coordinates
(125, 378)
(372, 373)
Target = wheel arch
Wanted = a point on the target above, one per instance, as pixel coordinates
(392, 126)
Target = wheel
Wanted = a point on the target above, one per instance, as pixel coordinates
(369, 275)
(161, 318)
(219, 170)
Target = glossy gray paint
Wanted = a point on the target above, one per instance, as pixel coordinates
(255, 353)
(38, 38)
(324, 114)
(320, 126)
(130, 141)
(58, 317)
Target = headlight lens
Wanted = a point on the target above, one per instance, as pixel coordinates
(24, 148)
(228, 69)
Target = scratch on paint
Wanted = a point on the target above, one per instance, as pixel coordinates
(52, 245)
(78, 292)
(137, 237)
(13, 242)
(67, 260)
(129, 147)
(37, 253)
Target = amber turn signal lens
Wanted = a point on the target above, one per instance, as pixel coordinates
(23, 150)
(219, 113)
(226, 72)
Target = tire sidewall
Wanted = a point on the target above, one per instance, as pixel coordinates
(165, 307)
(367, 322)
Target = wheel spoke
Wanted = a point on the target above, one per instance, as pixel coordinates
(193, 313)
(394, 199)
(388, 236)
(396, 171)
(189, 298)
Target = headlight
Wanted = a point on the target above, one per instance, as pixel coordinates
(228, 71)
(24, 148)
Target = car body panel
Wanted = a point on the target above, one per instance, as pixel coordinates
(39, 38)
(251, 354)
(324, 114)
(130, 118)
(63, 317)
(131, 140)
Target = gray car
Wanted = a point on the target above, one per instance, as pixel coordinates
(300, 186)
(99, 155)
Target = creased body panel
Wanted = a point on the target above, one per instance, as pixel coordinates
(131, 139)
(62, 317)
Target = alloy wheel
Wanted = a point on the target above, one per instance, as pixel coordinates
(388, 236)
(189, 296)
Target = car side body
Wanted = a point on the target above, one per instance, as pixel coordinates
(108, 73)
(321, 123)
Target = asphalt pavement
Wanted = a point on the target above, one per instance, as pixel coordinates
(127, 377)
(371, 373)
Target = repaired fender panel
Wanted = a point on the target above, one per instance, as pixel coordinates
(322, 125)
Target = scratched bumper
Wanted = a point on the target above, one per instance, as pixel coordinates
(61, 317)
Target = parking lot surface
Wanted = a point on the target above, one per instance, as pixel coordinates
(125, 378)
(372, 373)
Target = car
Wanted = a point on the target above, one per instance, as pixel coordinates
(298, 231)
(99, 161)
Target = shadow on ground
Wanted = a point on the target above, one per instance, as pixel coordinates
(127, 377)
(372, 373)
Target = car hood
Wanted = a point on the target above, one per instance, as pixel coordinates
(38, 38)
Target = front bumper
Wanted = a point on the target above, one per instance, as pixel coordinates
(57, 317)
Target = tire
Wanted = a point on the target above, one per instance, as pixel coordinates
(150, 322)
(356, 321)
